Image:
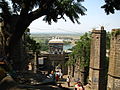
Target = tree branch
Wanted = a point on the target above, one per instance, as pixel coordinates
(42, 10)
(37, 13)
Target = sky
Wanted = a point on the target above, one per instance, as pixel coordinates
(95, 18)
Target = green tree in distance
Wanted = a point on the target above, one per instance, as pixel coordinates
(31, 44)
(111, 5)
(108, 36)
(44, 46)
(82, 49)
(81, 53)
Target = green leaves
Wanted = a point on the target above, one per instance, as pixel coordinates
(80, 0)
(59, 8)
(31, 44)
(52, 10)
(81, 52)
(73, 9)
(64, 7)
(6, 10)
(111, 6)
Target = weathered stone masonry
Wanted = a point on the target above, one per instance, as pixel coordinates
(114, 62)
(97, 60)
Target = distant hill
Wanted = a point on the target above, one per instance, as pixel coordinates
(49, 35)
(56, 33)
(69, 39)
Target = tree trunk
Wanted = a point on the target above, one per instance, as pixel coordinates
(2, 41)
(16, 27)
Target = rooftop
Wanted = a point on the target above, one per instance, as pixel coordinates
(56, 40)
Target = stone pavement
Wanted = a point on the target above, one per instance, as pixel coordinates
(72, 84)
(13, 86)
(64, 83)
(9, 84)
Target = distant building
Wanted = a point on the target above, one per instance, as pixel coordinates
(56, 46)
(55, 59)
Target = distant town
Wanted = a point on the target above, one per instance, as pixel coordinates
(69, 39)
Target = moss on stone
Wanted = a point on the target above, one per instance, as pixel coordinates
(115, 33)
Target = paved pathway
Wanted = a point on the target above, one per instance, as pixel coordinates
(72, 84)
(39, 86)
(64, 83)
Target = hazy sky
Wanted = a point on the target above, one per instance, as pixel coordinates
(95, 18)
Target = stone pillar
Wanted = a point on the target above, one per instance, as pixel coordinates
(97, 60)
(114, 62)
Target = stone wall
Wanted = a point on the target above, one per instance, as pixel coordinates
(114, 62)
(97, 60)
(55, 60)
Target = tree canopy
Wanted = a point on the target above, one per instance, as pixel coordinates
(111, 5)
(26, 11)
(23, 12)
(19, 14)
(80, 55)
(51, 9)
(81, 51)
